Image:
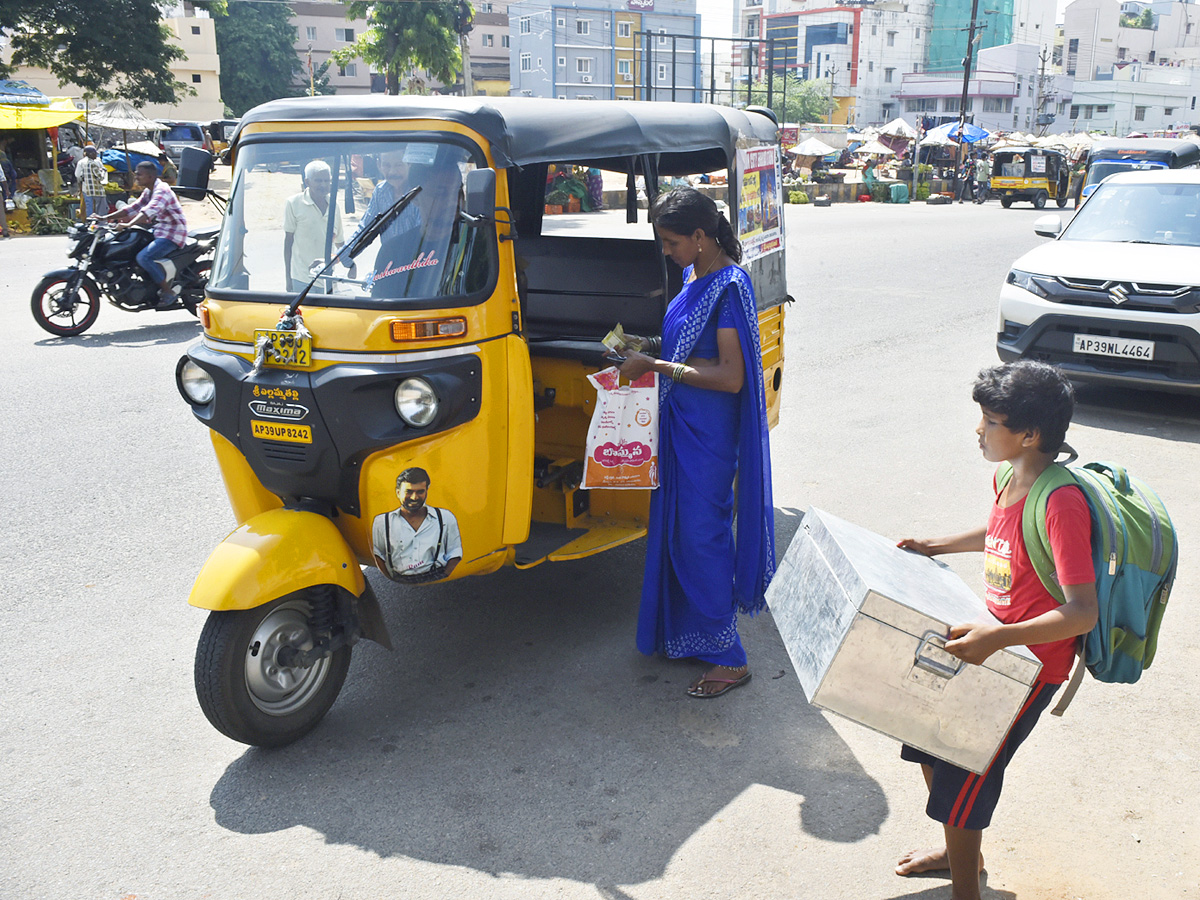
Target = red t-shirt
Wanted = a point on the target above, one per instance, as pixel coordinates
(1014, 591)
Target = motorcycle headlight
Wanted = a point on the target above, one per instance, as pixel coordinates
(1027, 281)
(416, 402)
(196, 385)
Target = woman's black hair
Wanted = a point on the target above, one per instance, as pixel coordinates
(684, 209)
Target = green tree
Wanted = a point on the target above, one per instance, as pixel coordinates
(1145, 19)
(258, 56)
(403, 36)
(794, 99)
(110, 48)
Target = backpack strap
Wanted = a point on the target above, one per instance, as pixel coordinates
(1073, 685)
(1033, 520)
(437, 548)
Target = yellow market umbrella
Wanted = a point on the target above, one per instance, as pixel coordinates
(52, 115)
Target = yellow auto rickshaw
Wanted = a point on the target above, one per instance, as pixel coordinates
(338, 355)
(1035, 174)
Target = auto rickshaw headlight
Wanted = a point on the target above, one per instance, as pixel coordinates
(196, 385)
(416, 402)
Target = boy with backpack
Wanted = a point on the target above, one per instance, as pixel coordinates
(1026, 407)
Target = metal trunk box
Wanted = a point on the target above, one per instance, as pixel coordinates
(864, 623)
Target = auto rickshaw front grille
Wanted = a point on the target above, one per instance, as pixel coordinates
(281, 452)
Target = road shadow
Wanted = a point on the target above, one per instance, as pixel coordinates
(162, 333)
(516, 729)
(942, 892)
(1153, 413)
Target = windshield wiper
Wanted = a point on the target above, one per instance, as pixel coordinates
(358, 244)
(1155, 243)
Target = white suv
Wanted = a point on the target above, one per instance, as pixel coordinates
(1116, 297)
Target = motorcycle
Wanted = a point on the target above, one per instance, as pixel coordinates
(66, 302)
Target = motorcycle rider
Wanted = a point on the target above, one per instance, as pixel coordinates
(157, 205)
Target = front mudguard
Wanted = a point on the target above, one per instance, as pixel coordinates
(281, 552)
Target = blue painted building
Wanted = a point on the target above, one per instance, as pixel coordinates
(605, 50)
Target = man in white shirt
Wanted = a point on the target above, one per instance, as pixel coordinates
(92, 176)
(416, 541)
(305, 224)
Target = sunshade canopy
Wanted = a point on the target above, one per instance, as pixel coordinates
(899, 128)
(121, 115)
(874, 148)
(812, 147)
(24, 106)
(970, 133)
(686, 137)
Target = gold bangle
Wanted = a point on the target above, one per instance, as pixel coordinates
(677, 372)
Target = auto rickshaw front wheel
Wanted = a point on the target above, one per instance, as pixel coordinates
(1006, 202)
(1039, 200)
(248, 682)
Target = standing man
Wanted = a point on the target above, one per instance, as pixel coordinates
(92, 176)
(983, 178)
(416, 541)
(159, 207)
(4, 232)
(305, 220)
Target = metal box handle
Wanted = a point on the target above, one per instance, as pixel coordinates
(932, 665)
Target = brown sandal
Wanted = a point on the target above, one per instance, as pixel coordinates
(695, 689)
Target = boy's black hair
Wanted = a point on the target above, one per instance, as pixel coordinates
(1030, 395)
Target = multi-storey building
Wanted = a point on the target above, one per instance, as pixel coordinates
(488, 46)
(1129, 78)
(1003, 94)
(605, 49)
(321, 28)
(866, 49)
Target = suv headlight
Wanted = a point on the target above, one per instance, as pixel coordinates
(1027, 281)
(416, 402)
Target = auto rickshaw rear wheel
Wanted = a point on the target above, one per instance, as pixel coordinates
(1039, 200)
(244, 684)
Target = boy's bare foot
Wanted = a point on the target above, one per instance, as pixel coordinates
(914, 862)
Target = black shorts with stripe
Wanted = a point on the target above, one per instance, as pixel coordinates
(966, 800)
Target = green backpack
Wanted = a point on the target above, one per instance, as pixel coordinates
(1135, 554)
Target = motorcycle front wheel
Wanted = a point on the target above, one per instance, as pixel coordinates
(65, 304)
(244, 689)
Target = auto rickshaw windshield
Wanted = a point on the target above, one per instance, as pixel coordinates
(296, 205)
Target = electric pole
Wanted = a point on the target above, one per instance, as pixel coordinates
(962, 109)
(1037, 104)
(462, 24)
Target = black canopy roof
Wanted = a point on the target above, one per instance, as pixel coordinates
(687, 137)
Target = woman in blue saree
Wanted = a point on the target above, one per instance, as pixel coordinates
(712, 433)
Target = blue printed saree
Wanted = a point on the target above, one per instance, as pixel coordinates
(697, 578)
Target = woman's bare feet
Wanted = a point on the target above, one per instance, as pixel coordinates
(914, 862)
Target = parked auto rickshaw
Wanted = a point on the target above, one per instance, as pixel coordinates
(1035, 174)
(463, 352)
(221, 131)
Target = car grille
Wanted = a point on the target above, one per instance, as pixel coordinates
(1142, 296)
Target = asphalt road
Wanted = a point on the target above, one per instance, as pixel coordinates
(515, 744)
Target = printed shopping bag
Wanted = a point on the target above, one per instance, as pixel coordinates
(622, 441)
